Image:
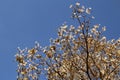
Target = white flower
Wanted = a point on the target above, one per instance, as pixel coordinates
(82, 36)
(88, 10)
(93, 30)
(93, 17)
(83, 7)
(118, 40)
(105, 57)
(77, 4)
(44, 51)
(90, 35)
(80, 10)
(102, 71)
(71, 6)
(118, 52)
(104, 28)
(112, 60)
(64, 26)
(96, 26)
(72, 28)
(113, 40)
(103, 39)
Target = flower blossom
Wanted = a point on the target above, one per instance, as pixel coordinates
(88, 10)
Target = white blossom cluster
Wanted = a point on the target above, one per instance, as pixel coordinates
(78, 53)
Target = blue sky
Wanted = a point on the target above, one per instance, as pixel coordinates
(22, 22)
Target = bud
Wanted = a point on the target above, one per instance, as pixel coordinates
(77, 4)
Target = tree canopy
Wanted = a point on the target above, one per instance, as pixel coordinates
(78, 53)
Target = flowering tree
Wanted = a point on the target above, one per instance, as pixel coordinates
(81, 53)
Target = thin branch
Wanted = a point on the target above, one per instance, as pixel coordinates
(87, 58)
(112, 71)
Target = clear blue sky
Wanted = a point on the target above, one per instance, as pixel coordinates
(22, 22)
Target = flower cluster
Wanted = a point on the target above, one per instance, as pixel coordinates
(29, 63)
(80, 11)
(72, 48)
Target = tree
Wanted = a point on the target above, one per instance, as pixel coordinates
(81, 53)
